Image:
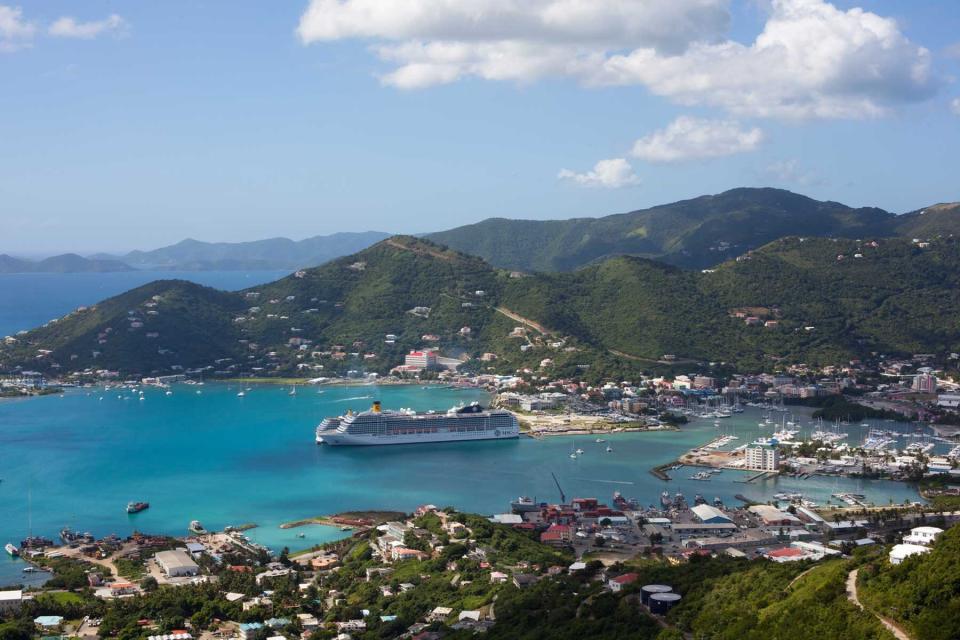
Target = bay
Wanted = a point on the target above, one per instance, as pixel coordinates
(76, 460)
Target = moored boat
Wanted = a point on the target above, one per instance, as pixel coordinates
(137, 507)
(12, 550)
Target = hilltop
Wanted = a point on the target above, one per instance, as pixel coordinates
(813, 300)
(696, 233)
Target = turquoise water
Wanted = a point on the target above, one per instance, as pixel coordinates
(226, 460)
(28, 300)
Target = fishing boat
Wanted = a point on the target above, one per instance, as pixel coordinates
(196, 527)
(137, 507)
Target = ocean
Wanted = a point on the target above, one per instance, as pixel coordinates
(76, 460)
(28, 300)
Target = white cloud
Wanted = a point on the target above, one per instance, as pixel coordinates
(667, 25)
(610, 174)
(688, 138)
(810, 60)
(15, 32)
(955, 106)
(68, 27)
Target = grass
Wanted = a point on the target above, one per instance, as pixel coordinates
(66, 597)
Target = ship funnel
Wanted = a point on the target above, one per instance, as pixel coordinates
(376, 406)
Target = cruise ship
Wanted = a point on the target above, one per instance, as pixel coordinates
(377, 426)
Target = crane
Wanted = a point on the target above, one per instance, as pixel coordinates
(563, 497)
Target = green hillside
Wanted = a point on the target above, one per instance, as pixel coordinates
(696, 233)
(923, 592)
(814, 300)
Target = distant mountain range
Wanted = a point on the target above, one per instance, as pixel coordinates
(66, 263)
(273, 253)
(696, 233)
(812, 300)
(692, 234)
(193, 255)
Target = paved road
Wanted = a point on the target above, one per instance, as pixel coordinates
(891, 626)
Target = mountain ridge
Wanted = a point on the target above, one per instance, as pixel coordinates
(695, 233)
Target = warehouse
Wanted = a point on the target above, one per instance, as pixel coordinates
(177, 563)
(710, 515)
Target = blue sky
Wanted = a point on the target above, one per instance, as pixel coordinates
(136, 124)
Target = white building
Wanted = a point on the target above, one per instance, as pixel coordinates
(10, 601)
(922, 535)
(421, 359)
(762, 457)
(901, 552)
(177, 563)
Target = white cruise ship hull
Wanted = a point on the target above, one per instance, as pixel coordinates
(374, 427)
(336, 438)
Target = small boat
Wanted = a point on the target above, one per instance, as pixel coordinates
(524, 504)
(12, 550)
(30, 569)
(301, 535)
(600, 440)
(609, 449)
(241, 394)
(344, 528)
(573, 456)
(137, 507)
(579, 452)
(196, 527)
(293, 392)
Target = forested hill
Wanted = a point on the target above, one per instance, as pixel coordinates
(696, 233)
(808, 300)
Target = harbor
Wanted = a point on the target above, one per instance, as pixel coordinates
(224, 460)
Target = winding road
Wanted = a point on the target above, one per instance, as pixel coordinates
(891, 626)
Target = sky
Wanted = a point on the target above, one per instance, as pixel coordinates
(132, 125)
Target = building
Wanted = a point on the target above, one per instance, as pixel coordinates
(421, 359)
(618, 583)
(762, 457)
(709, 515)
(922, 535)
(48, 623)
(925, 383)
(949, 400)
(771, 516)
(177, 563)
(901, 552)
(10, 601)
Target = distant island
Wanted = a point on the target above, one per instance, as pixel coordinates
(66, 263)
(274, 254)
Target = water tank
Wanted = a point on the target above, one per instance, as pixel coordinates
(650, 589)
(661, 603)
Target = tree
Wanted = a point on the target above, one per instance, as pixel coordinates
(148, 584)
